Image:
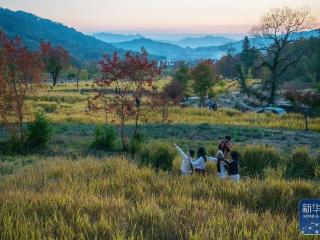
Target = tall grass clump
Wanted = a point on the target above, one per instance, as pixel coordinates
(158, 154)
(256, 158)
(105, 138)
(301, 164)
(39, 132)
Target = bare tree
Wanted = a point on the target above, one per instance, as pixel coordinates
(278, 29)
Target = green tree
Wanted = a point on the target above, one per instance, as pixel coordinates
(204, 77)
(182, 74)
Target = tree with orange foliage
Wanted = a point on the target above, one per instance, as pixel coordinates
(20, 74)
(131, 77)
(54, 58)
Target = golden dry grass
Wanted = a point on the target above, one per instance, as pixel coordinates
(114, 199)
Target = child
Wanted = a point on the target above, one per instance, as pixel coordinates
(186, 167)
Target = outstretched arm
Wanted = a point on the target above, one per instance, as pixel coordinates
(180, 151)
(213, 159)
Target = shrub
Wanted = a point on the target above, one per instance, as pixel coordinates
(158, 154)
(301, 164)
(39, 132)
(105, 137)
(255, 159)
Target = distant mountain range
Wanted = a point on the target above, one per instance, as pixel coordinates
(176, 52)
(205, 41)
(116, 38)
(168, 50)
(33, 29)
(191, 42)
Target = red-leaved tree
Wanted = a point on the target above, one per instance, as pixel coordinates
(131, 77)
(54, 58)
(20, 74)
(305, 102)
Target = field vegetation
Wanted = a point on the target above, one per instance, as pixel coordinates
(113, 198)
(95, 159)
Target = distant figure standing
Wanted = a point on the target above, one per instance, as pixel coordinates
(225, 146)
(186, 167)
(233, 167)
(211, 105)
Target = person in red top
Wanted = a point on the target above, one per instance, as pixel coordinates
(225, 146)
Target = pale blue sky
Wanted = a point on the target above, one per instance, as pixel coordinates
(175, 16)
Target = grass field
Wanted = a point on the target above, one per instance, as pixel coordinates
(114, 199)
(71, 191)
(66, 103)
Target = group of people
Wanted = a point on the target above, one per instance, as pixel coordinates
(226, 161)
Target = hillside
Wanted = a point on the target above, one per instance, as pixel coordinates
(33, 29)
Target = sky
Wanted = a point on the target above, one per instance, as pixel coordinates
(174, 17)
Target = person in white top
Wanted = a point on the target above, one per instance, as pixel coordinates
(186, 168)
(199, 164)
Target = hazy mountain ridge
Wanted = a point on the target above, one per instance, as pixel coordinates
(205, 41)
(33, 29)
(116, 38)
(176, 52)
(169, 50)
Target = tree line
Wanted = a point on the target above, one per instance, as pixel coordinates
(132, 76)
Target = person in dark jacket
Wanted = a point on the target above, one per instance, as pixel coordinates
(233, 167)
